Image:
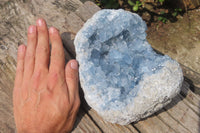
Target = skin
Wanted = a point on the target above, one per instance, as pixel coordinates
(45, 95)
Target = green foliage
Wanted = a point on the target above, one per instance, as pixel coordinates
(131, 3)
(139, 6)
(161, 1)
(162, 18)
(176, 12)
(135, 6)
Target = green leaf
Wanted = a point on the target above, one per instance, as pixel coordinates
(161, 1)
(135, 8)
(137, 2)
(160, 18)
(98, 4)
(175, 14)
(131, 3)
(164, 20)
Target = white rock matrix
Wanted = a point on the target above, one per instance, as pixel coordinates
(123, 79)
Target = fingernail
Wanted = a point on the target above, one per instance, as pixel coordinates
(21, 48)
(52, 30)
(40, 22)
(31, 29)
(74, 65)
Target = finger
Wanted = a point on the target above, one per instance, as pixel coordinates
(71, 75)
(30, 52)
(57, 52)
(20, 66)
(42, 49)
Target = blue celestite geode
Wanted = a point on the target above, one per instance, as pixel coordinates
(123, 79)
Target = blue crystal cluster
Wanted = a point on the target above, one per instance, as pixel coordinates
(114, 55)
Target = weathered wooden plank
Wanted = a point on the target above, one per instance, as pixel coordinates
(87, 10)
(70, 5)
(182, 113)
(190, 96)
(4, 128)
(13, 28)
(6, 84)
(172, 121)
(192, 77)
(153, 125)
(165, 117)
(190, 99)
(20, 17)
(84, 124)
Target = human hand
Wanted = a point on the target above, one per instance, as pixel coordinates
(45, 95)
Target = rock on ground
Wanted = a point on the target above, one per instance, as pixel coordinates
(123, 79)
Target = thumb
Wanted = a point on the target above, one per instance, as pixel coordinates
(71, 75)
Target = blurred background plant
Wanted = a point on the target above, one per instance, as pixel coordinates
(155, 10)
(135, 5)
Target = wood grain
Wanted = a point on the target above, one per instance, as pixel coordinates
(16, 16)
(87, 10)
(181, 115)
